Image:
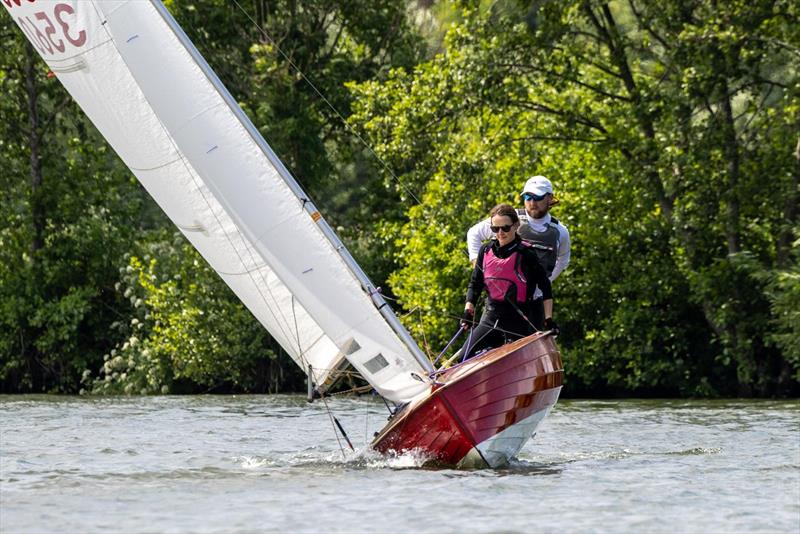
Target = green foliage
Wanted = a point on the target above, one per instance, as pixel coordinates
(661, 127)
(783, 291)
(186, 331)
(288, 64)
(72, 213)
(64, 223)
(669, 130)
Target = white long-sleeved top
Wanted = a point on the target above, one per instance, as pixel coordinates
(482, 231)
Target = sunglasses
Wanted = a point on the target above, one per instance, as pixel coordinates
(531, 196)
(505, 228)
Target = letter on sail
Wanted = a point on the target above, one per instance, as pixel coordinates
(162, 109)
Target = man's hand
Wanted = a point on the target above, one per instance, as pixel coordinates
(550, 324)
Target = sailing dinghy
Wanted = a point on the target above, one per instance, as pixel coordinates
(147, 89)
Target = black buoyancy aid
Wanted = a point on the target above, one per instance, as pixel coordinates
(503, 277)
(544, 243)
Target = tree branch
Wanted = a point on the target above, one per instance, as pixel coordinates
(614, 43)
(647, 26)
(543, 108)
(594, 140)
(594, 88)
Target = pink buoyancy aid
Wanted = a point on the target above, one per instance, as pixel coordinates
(502, 274)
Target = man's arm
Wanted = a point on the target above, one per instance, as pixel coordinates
(536, 275)
(563, 253)
(476, 235)
(548, 309)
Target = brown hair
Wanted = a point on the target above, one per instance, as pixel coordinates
(505, 210)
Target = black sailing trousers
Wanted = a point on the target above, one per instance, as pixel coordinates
(500, 323)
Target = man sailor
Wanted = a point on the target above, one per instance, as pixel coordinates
(548, 236)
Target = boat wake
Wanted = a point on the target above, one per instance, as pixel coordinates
(250, 462)
(696, 451)
(360, 459)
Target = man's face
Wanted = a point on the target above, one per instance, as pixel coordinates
(536, 206)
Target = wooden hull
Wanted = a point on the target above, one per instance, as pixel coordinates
(483, 411)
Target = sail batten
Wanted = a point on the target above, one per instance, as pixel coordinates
(164, 111)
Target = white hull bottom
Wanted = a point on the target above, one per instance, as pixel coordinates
(500, 448)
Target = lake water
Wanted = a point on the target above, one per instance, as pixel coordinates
(273, 464)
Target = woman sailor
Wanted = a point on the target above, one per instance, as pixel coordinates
(509, 269)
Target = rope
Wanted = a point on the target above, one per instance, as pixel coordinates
(313, 378)
(388, 169)
(366, 426)
(469, 342)
(359, 389)
(460, 329)
(428, 350)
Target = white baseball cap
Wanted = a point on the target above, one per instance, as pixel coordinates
(538, 185)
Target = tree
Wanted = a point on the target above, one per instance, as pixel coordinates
(665, 128)
(65, 212)
(72, 214)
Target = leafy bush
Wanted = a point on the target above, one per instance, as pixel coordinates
(186, 331)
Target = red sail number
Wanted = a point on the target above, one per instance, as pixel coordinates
(46, 41)
(49, 30)
(59, 10)
(17, 3)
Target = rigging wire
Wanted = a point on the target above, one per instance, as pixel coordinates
(327, 102)
(334, 421)
(333, 109)
(344, 122)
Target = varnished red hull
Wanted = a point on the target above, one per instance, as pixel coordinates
(483, 411)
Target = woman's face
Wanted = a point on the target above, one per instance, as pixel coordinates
(504, 228)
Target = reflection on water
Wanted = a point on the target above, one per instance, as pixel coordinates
(273, 463)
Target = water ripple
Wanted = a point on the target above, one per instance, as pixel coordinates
(273, 463)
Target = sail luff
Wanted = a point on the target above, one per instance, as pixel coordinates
(337, 244)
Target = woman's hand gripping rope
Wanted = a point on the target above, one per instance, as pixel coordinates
(468, 319)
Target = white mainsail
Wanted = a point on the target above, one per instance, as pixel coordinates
(152, 96)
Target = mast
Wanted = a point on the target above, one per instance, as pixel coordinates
(367, 286)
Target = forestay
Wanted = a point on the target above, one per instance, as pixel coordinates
(159, 105)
